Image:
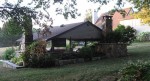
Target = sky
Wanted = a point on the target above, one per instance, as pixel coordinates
(82, 6)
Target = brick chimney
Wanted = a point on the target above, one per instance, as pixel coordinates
(108, 25)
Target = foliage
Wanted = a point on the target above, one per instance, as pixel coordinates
(44, 61)
(122, 12)
(18, 60)
(10, 32)
(144, 36)
(88, 15)
(11, 28)
(139, 71)
(36, 55)
(86, 53)
(121, 34)
(144, 10)
(139, 4)
(9, 53)
(88, 71)
(37, 10)
(143, 14)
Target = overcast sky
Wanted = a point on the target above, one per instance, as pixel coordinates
(82, 6)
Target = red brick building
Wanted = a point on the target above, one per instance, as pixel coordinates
(116, 17)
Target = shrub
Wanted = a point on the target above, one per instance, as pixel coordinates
(44, 61)
(139, 71)
(86, 53)
(18, 60)
(121, 34)
(144, 36)
(35, 55)
(9, 53)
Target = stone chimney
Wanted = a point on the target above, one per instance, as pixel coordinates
(108, 25)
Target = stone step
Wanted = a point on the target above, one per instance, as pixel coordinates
(8, 64)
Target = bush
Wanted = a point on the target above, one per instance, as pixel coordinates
(35, 55)
(9, 53)
(121, 34)
(44, 61)
(144, 36)
(17, 60)
(86, 53)
(139, 71)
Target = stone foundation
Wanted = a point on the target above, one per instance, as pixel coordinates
(68, 61)
(112, 49)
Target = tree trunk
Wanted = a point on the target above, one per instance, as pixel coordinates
(28, 37)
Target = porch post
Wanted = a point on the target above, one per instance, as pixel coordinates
(70, 44)
(52, 48)
(85, 43)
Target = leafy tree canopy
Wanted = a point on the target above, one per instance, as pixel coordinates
(144, 15)
(10, 28)
(139, 4)
(38, 10)
(9, 33)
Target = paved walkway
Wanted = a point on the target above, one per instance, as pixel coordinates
(3, 69)
(8, 64)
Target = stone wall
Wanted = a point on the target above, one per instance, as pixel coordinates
(112, 49)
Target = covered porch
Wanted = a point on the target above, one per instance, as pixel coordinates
(80, 33)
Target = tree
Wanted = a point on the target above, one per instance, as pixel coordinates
(11, 28)
(88, 15)
(37, 10)
(10, 33)
(144, 10)
(139, 4)
(144, 15)
(24, 15)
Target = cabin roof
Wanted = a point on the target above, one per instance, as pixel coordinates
(60, 30)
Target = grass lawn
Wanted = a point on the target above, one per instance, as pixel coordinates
(90, 71)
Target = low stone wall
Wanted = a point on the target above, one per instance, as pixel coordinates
(68, 61)
(73, 61)
(112, 49)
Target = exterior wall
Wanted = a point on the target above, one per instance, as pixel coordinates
(116, 19)
(136, 23)
(86, 31)
(112, 49)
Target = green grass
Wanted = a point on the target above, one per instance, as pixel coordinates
(90, 71)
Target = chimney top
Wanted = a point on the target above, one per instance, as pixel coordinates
(107, 17)
(62, 25)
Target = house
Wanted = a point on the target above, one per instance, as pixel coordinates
(127, 20)
(82, 31)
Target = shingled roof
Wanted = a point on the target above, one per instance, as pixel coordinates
(64, 28)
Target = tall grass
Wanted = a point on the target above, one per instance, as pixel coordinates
(90, 71)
